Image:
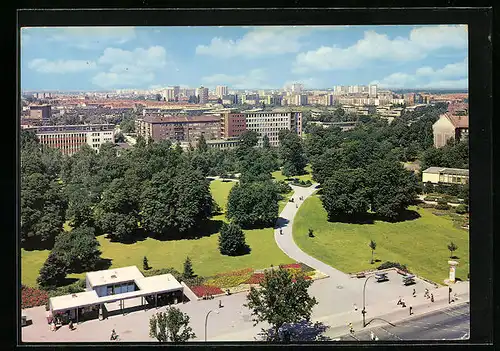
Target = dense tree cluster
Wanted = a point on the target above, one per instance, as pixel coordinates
(292, 153)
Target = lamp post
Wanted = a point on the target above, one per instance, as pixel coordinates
(364, 309)
(206, 320)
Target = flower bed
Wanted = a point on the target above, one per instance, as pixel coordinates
(291, 265)
(202, 290)
(32, 297)
(229, 279)
(256, 278)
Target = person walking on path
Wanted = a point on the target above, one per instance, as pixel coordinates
(372, 336)
(432, 297)
(414, 292)
(351, 329)
(426, 293)
(411, 310)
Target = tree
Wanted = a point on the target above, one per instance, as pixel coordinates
(280, 300)
(78, 249)
(118, 211)
(42, 208)
(373, 246)
(158, 97)
(392, 188)
(145, 264)
(254, 203)
(248, 139)
(346, 194)
(172, 325)
(292, 153)
(202, 144)
(79, 211)
(52, 272)
(452, 247)
(232, 240)
(188, 268)
(265, 142)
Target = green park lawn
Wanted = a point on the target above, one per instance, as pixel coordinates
(203, 252)
(278, 175)
(421, 243)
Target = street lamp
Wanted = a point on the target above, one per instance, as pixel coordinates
(206, 320)
(364, 309)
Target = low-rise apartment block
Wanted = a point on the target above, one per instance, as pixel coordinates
(178, 128)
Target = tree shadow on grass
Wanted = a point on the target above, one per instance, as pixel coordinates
(204, 229)
(35, 244)
(455, 257)
(67, 281)
(281, 222)
(138, 235)
(370, 218)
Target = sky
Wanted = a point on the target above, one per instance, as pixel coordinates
(264, 57)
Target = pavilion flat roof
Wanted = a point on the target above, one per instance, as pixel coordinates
(67, 302)
(114, 276)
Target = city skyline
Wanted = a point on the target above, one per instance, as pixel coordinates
(98, 58)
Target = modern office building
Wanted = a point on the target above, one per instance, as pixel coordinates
(69, 139)
(223, 144)
(202, 94)
(220, 91)
(450, 126)
(270, 123)
(40, 112)
(178, 128)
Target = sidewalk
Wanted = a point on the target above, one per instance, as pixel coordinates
(395, 313)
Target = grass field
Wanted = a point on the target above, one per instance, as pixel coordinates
(279, 176)
(421, 243)
(203, 252)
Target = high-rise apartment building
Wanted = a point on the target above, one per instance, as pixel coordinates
(300, 100)
(270, 124)
(297, 88)
(329, 99)
(372, 90)
(69, 139)
(220, 91)
(202, 94)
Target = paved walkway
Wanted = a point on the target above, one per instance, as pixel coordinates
(287, 244)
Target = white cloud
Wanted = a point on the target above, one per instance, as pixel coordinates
(92, 37)
(61, 66)
(309, 83)
(130, 68)
(451, 76)
(375, 46)
(260, 41)
(256, 78)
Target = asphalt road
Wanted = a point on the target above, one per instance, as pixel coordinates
(446, 324)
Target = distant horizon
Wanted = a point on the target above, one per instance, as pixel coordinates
(109, 58)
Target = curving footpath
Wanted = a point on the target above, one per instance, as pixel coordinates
(287, 244)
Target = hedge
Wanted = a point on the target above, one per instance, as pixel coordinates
(397, 265)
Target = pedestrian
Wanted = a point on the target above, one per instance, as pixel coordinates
(432, 297)
(296, 205)
(355, 307)
(426, 294)
(220, 304)
(411, 310)
(372, 336)
(351, 329)
(414, 293)
(281, 231)
(399, 301)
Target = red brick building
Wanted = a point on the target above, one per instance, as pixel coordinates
(233, 125)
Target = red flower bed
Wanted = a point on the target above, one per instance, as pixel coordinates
(32, 297)
(291, 265)
(202, 290)
(256, 278)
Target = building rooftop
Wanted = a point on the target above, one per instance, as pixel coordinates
(181, 119)
(66, 302)
(117, 275)
(443, 170)
(158, 284)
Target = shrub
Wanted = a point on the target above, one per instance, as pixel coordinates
(283, 187)
(232, 240)
(462, 209)
(194, 281)
(430, 198)
(306, 268)
(291, 265)
(308, 182)
(145, 264)
(177, 275)
(389, 264)
(188, 269)
(443, 207)
(202, 290)
(424, 205)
